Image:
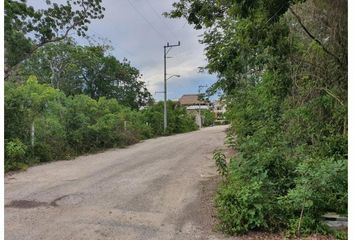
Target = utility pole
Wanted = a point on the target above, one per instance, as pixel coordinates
(200, 114)
(166, 49)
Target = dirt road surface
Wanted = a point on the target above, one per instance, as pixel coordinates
(151, 190)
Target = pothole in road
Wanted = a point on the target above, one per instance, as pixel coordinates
(25, 204)
(70, 199)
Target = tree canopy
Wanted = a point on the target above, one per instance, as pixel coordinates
(27, 29)
(89, 70)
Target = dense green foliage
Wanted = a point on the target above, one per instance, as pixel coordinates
(283, 68)
(179, 120)
(65, 126)
(208, 118)
(89, 70)
(27, 29)
(221, 163)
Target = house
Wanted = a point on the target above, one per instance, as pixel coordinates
(191, 99)
(194, 104)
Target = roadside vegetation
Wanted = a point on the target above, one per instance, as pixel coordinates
(283, 68)
(66, 126)
(63, 99)
(208, 118)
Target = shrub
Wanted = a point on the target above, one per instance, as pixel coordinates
(178, 119)
(320, 188)
(66, 126)
(208, 118)
(242, 207)
(221, 163)
(15, 152)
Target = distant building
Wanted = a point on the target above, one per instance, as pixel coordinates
(192, 100)
(194, 105)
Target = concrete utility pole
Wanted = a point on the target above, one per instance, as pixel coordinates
(200, 114)
(166, 49)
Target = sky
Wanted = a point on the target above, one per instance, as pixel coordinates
(137, 31)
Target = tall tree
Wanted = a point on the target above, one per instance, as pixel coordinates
(87, 70)
(27, 29)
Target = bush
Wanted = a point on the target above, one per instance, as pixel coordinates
(243, 207)
(221, 163)
(302, 152)
(208, 118)
(178, 119)
(15, 152)
(68, 126)
(320, 188)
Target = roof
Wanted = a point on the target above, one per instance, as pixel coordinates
(190, 99)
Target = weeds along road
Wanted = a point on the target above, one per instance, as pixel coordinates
(149, 190)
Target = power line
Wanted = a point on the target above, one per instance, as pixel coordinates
(123, 50)
(184, 25)
(162, 20)
(146, 20)
(114, 44)
(102, 37)
(276, 13)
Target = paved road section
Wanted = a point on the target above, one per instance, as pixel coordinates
(145, 191)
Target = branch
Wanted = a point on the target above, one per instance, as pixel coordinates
(299, 225)
(302, 60)
(332, 95)
(36, 47)
(314, 38)
(329, 92)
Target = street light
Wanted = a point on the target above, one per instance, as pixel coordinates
(174, 75)
(166, 49)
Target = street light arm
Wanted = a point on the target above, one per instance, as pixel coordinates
(173, 76)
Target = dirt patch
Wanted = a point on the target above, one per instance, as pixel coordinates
(278, 236)
(202, 211)
(206, 197)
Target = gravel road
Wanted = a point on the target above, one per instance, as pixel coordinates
(150, 190)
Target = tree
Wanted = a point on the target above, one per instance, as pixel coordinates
(87, 70)
(27, 29)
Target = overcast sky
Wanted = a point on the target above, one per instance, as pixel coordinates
(137, 31)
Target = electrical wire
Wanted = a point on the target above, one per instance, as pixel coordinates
(162, 19)
(120, 47)
(147, 21)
